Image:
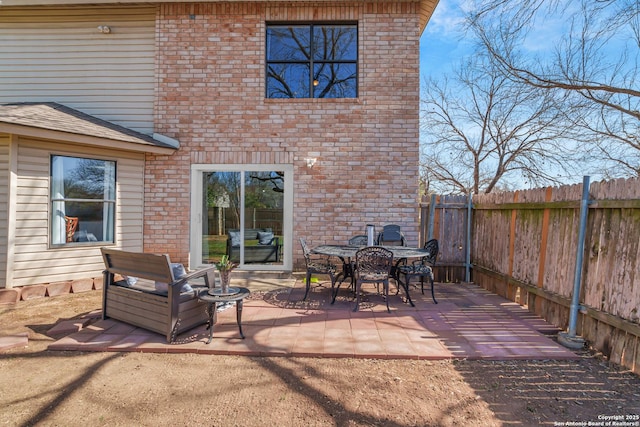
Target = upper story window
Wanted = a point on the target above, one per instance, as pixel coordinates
(312, 61)
(83, 199)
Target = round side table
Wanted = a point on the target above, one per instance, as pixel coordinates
(212, 299)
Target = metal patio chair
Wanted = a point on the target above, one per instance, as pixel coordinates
(317, 264)
(422, 268)
(348, 265)
(373, 265)
(391, 236)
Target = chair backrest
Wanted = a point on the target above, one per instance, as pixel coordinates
(391, 236)
(373, 260)
(305, 248)
(306, 251)
(433, 248)
(359, 240)
(391, 228)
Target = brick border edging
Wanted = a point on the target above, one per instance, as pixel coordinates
(43, 290)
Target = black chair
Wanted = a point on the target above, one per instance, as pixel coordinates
(391, 236)
(420, 268)
(317, 264)
(373, 265)
(348, 265)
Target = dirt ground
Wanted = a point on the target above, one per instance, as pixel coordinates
(49, 388)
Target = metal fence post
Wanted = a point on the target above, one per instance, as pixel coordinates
(467, 259)
(569, 339)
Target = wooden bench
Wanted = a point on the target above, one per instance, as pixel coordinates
(259, 253)
(168, 313)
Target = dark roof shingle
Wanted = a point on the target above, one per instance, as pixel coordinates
(57, 117)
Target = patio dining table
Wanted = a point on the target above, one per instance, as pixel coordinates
(347, 252)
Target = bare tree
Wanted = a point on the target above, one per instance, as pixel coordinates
(483, 131)
(602, 102)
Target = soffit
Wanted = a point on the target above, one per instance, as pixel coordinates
(426, 6)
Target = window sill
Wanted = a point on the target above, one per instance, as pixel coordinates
(74, 245)
(312, 101)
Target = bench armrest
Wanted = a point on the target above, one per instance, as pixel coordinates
(206, 272)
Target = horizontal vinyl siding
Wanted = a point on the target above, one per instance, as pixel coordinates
(130, 205)
(57, 54)
(34, 261)
(4, 207)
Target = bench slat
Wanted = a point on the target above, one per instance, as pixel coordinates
(141, 265)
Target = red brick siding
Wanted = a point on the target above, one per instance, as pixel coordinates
(210, 96)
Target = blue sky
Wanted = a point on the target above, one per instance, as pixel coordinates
(441, 43)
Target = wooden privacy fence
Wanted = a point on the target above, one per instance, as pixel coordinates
(524, 247)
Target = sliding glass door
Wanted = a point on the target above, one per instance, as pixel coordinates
(243, 212)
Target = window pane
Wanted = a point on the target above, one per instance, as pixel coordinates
(91, 221)
(221, 202)
(264, 206)
(85, 179)
(288, 81)
(335, 81)
(335, 43)
(261, 208)
(82, 200)
(289, 43)
(330, 51)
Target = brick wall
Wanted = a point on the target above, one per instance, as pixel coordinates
(210, 96)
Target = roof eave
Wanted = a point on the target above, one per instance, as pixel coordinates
(426, 10)
(87, 140)
(426, 6)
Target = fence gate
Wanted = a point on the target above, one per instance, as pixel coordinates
(447, 218)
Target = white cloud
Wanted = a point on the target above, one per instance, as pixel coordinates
(443, 41)
(447, 19)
